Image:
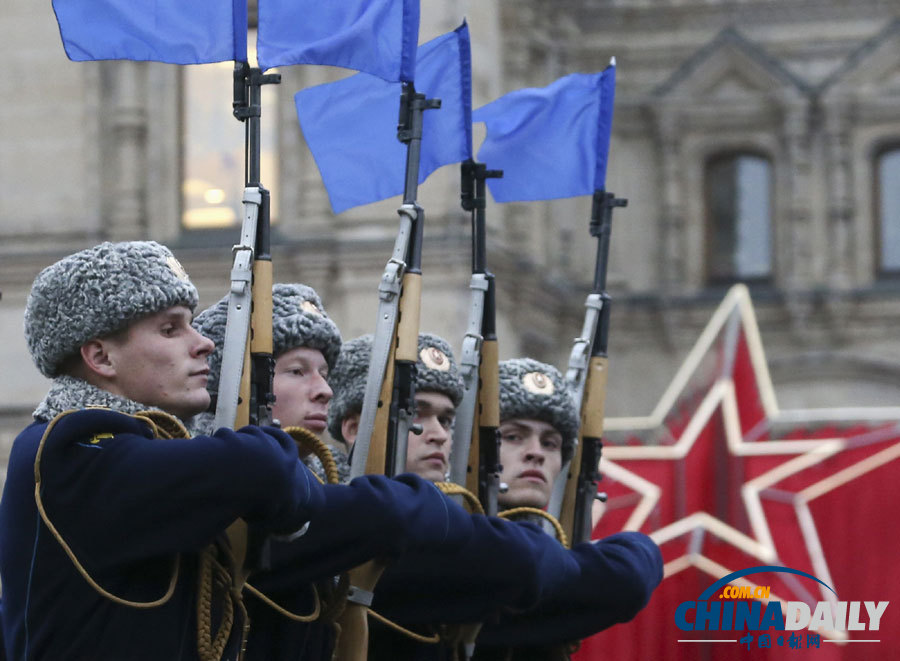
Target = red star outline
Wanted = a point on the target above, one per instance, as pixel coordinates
(735, 309)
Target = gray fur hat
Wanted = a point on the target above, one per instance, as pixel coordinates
(298, 320)
(436, 371)
(537, 391)
(97, 292)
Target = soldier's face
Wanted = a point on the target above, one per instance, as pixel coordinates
(161, 361)
(428, 453)
(531, 455)
(301, 390)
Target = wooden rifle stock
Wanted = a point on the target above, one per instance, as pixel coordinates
(575, 519)
(483, 452)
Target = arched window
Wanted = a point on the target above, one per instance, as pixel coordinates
(213, 146)
(887, 178)
(739, 218)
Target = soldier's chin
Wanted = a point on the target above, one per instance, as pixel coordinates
(430, 474)
(197, 403)
(526, 495)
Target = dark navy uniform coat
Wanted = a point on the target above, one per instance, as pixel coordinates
(371, 517)
(570, 595)
(126, 503)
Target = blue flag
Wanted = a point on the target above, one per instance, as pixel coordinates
(375, 36)
(351, 125)
(550, 142)
(173, 31)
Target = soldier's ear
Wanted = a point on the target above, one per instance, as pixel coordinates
(350, 428)
(96, 359)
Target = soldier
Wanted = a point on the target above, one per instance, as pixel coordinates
(306, 344)
(112, 519)
(538, 430)
(106, 503)
(438, 392)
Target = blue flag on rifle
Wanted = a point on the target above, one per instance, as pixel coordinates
(173, 31)
(375, 36)
(550, 142)
(351, 125)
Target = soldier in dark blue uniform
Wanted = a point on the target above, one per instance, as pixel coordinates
(110, 516)
(304, 338)
(580, 591)
(113, 518)
(306, 344)
(538, 430)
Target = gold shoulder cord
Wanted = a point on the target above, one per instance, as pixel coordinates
(62, 542)
(533, 511)
(454, 489)
(211, 572)
(430, 640)
(307, 443)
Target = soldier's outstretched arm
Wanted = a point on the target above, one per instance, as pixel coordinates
(506, 566)
(618, 575)
(371, 517)
(119, 494)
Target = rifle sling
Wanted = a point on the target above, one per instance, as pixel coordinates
(468, 370)
(388, 306)
(238, 320)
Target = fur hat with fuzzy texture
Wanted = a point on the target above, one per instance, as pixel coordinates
(533, 390)
(298, 320)
(436, 371)
(97, 292)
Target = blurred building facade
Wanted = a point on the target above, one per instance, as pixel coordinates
(756, 141)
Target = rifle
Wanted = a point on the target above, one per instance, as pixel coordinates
(475, 459)
(245, 393)
(475, 455)
(389, 403)
(576, 488)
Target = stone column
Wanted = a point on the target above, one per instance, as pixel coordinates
(840, 212)
(672, 229)
(799, 272)
(795, 245)
(127, 151)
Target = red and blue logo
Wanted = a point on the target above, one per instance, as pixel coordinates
(745, 607)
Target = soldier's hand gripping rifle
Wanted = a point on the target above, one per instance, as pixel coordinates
(245, 389)
(389, 403)
(576, 489)
(475, 456)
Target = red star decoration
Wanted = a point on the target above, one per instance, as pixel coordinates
(723, 480)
